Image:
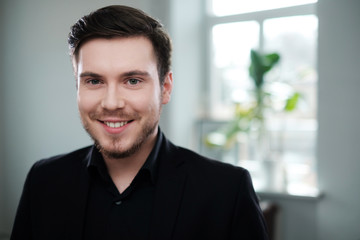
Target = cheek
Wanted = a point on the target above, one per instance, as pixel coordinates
(142, 102)
(86, 101)
(148, 105)
(146, 100)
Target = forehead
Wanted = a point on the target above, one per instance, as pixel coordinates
(116, 53)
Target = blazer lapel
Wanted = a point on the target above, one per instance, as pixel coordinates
(170, 186)
(77, 206)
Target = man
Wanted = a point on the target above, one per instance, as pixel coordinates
(133, 183)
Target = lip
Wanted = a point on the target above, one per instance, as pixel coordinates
(115, 127)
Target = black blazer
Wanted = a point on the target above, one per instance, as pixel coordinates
(195, 198)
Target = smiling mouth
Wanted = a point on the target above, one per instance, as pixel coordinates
(116, 124)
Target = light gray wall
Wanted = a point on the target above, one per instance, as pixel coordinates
(184, 21)
(339, 118)
(2, 104)
(38, 98)
(187, 32)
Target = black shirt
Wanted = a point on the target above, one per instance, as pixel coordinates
(111, 215)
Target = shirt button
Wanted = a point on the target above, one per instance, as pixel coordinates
(118, 202)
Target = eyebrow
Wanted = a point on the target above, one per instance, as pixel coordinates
(126, 74)
(135, 73)
(89, 74)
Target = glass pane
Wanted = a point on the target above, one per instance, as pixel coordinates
(294, 38)
(294, 134)
(230, 61)
(230, 7)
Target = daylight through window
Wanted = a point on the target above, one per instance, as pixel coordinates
(288, 28)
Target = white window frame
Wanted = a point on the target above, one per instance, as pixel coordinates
(260, 17)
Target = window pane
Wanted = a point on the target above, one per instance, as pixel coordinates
(294, 134)
(291, 136)
(230, 7)
(294, 38)
(230, 61)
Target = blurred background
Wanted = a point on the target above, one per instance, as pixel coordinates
(312, 176)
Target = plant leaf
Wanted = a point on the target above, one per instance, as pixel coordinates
(256, 69)
(291, 102)
(272, 59)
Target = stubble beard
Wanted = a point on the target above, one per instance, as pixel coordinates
(116, 151)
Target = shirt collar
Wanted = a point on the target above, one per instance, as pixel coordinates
(96, 161)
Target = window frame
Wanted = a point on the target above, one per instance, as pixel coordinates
(260, 17)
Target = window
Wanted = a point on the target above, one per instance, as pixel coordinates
(288, 28)
(231, 7)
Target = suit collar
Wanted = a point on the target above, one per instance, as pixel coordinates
(169, 191)
(95, 160)
(171, 181)
(77, 208)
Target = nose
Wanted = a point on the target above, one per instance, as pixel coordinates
(112, 99)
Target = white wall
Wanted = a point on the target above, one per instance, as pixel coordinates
(187, 32)
(339, 118)
(38, 98)
(184, 21)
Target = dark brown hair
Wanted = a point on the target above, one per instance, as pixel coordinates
(122, 21)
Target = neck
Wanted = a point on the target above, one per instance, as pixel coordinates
(123, 170)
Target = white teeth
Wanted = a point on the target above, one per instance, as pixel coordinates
(115, 124)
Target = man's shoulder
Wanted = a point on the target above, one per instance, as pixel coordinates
(59, 176)
(76, 158)
(207, 165)
(203, 172)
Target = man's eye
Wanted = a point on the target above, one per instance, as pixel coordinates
(133, 81)
(93, 81)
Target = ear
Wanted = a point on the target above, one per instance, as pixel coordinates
(167, 88)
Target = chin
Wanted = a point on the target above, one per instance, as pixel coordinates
(124, 146)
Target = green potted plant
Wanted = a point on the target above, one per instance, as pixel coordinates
(251, 117)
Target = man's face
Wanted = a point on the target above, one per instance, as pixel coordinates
(119, 95)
